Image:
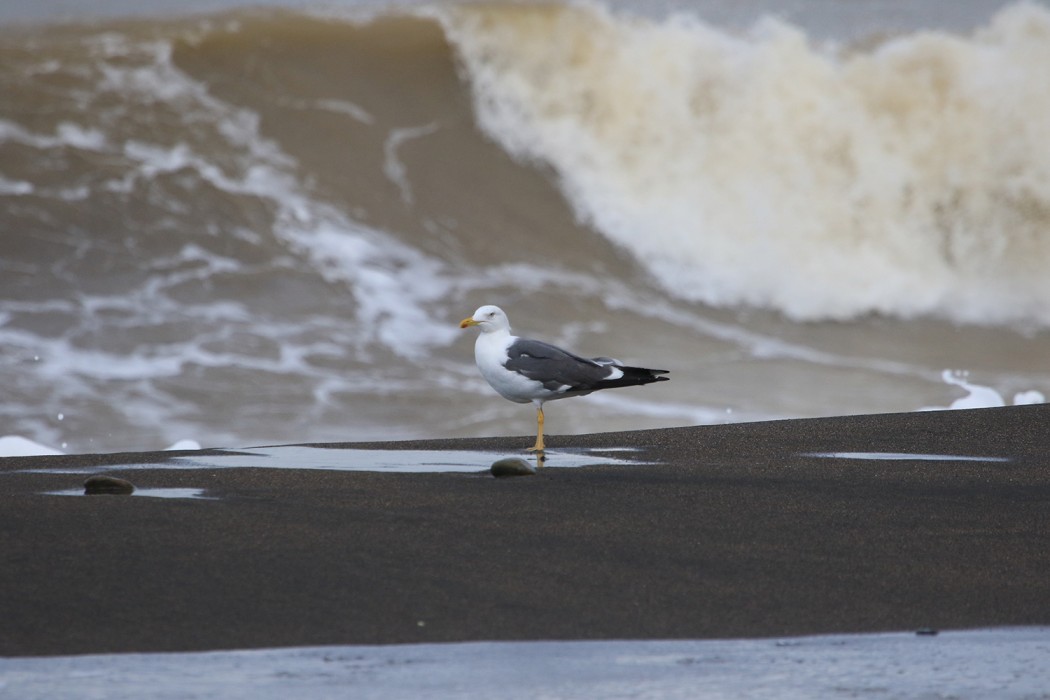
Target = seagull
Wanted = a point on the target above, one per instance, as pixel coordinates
(531, 371)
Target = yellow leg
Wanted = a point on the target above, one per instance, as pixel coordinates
(538, 447)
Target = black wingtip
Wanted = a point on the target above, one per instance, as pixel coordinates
(648, 376)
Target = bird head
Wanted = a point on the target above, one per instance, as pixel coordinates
(488, 318)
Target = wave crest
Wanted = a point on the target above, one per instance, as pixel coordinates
(907, 179)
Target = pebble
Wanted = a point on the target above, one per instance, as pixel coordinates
(512, 466)
(100, 484)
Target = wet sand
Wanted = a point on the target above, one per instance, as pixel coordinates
(735, 531)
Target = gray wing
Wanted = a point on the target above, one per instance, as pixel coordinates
(556, 368)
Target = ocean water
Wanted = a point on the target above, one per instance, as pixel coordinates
(1005, 663)
(254, 226)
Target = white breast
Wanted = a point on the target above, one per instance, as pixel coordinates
(490, 353)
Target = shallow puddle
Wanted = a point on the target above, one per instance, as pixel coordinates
(150, 493)
(905, 456)
(349, 459)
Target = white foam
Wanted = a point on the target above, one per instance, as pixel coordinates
(66, 134)
(393, 284)
(18, 446)
(77, 136)
(978, 396)
(344, 107)
(393, 168)
(1029, 397)
(15, 187)
(185, 444)
(760, 169)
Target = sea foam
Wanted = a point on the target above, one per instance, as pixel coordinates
(18, 446)
(826, 182)
(979, 396)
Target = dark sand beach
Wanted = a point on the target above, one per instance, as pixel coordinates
(732, 531)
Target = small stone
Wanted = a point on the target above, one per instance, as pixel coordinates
(101, 484)
(512, 466)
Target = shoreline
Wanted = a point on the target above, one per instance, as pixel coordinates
(733, 531)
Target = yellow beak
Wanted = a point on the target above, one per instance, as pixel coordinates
(467, 323)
